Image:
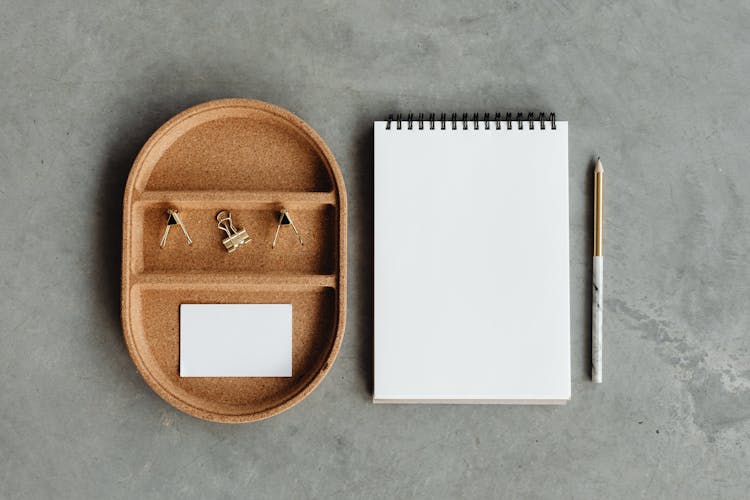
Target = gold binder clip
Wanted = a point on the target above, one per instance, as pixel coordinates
(235, 238)
(285, 220)
(173, 218)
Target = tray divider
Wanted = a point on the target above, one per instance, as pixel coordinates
(233, 280)
(238, 199)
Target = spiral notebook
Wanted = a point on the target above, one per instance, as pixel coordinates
(471, 259)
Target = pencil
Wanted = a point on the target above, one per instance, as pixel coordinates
(597, 299)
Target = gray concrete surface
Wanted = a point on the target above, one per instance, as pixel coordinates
(660, 90)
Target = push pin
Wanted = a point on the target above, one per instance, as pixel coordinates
(173, 218)
(285, 220)
(235, 238)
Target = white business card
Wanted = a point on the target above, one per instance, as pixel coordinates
(235, 340)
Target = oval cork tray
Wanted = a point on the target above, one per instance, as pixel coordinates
(253, 159)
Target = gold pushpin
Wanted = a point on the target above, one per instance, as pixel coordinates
(285, 220)
(235, 238)
(173, 218)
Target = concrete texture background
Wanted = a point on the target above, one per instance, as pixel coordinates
(658, 89)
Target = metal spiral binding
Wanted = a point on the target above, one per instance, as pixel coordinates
(530, 119)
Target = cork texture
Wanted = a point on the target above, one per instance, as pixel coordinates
(253, 159)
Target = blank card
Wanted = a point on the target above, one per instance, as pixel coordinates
(235, 340)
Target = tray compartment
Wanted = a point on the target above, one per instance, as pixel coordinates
(317, 226)
(313, 318)
(249, 154)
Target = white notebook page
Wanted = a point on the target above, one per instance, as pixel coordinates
(471, 264)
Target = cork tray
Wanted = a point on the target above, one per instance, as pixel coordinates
(253, 159)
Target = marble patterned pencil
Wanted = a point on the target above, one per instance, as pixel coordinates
(597, 298)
